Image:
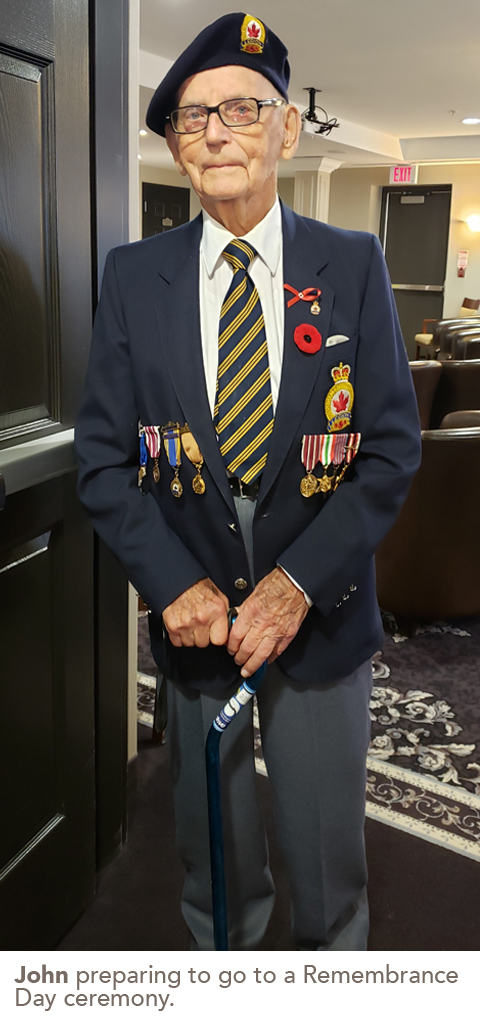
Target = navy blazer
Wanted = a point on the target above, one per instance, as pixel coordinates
(146, 363)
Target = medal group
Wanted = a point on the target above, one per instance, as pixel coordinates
(336, 451)
(174, 437)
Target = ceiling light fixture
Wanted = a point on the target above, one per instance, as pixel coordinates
(139, 156)
(143, 132)
(471, 120)
(323, 126)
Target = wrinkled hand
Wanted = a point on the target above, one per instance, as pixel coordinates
(267, 622)
(198, 617)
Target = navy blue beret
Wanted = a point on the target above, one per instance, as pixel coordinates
(232, 39)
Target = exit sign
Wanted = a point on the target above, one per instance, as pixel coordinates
(403, 174)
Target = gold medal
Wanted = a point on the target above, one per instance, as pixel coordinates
(309, 485)
(325, 483)
(198, 484)
(176, 486)
(315, 308)
(192, 452)
(141, 474)
(156, 471)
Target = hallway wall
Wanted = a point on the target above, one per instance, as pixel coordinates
(355, 199)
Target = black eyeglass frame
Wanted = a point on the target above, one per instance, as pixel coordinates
(216, 109)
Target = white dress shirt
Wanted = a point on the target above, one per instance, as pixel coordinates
(266, 271)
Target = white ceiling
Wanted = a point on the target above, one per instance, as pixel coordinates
(391, 67)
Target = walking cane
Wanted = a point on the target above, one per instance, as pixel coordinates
(212, 757)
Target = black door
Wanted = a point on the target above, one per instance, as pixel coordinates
(414, 231)
(47, 797)
(164, 207)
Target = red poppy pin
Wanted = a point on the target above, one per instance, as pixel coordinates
(307, 338)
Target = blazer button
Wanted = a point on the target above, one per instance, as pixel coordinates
(240, 584)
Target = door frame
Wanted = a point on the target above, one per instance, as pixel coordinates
(109, 132)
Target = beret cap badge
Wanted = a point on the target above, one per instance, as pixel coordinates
(252, 35)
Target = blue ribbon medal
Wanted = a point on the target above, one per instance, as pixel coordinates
(173, 449)
(143, 457)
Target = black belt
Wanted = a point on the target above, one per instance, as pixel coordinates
(242, 490)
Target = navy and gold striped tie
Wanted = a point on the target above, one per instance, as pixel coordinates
(243, 414)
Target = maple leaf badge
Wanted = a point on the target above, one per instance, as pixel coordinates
(339, 399)
(252, 35)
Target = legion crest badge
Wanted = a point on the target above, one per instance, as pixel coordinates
(252, 35)
(339, 399)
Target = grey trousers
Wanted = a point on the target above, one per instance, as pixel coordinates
(315, 741)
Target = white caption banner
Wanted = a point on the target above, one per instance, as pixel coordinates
(307, 983)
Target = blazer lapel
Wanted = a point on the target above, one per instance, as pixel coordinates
(178, 315)
(303, 261)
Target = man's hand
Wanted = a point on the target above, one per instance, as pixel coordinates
(267, 622)
(198, 617)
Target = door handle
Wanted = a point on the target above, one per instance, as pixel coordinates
(415, 286)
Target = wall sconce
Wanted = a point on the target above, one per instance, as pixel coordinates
(473, 222)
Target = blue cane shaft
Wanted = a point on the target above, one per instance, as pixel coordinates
(217, 855)
(214, 796)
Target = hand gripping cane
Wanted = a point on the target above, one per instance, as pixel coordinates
(212, 751)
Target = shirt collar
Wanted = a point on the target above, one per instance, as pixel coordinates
(266, 238)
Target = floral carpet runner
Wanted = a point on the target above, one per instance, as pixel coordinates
(424, 758)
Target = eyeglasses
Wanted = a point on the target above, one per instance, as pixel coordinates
(232, 113)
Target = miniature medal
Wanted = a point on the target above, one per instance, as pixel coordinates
(310, 453)
(172, 446)
(339, 443)
(326, 454)
(339, 399)
(315, 308)
(143, 457)
(192, 452)
(152, 438)
(351, 449)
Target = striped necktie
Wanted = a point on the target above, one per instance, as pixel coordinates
(243, 414)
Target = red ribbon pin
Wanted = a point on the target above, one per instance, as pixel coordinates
(311, 293)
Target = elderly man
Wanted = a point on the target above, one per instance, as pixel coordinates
(257, 359)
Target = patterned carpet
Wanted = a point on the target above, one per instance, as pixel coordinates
(424, 759)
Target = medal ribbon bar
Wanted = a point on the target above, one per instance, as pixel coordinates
(338, 452)
(152, 438)
(310, 451)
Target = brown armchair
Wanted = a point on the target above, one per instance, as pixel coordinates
(458, 389)
(428, 566)
(425, 376)
(446, 330)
